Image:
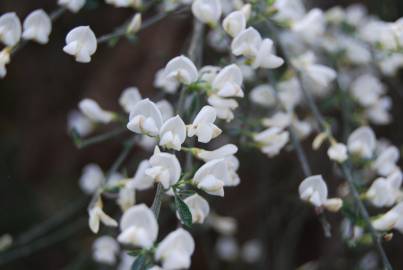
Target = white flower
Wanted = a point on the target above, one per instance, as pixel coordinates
(125, 3)
(247, 43)
(165, 168)
(207, 11)
(105, 250)
(288, 10)
(265, 57)
(391, 219)
(93, 111)
(311, 27)
(10, 29)
(4, 60)
(362, 142)
(232, 163)
(212, 176)
(126, 261)
(141, 180)
(314, 190)
(97, 215)
(289, 93)
(272, 140)
(338, 152)
(203, 125)
(208, 73)
(72, 5)
(169, 85)
(81, 43)
(263, 95)
(173, 133)
(129, 98)
(37, 26)
(223, 225)
(223, 106)
(135, 24)
(139, 227)
(166, 109)
(367, 89)
(385, 163)
(180, 69)
(318, 74)
(175, 250)
(385, 191)
(145, 118)
(379, 112)
(222, 152)
(252, 251)
(391, 63)
(91, 178)
(227, 248)
(198, 206)
(228, 82)
(279, 119)
(234, 23)
(80, 123)
(126, 198)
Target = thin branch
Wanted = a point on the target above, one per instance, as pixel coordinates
(98, 138)
(345, 169)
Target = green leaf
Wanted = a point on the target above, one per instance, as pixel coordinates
(183, 211)
(76, 137)
(139, 263)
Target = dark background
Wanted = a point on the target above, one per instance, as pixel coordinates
(40, 166)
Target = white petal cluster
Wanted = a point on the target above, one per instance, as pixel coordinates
(393, 219)
(385, 191)
(94, 112)
(4, 60)
(37, 26)
(203, 125)
(81, 43)
(168, 85)
(207, 11)
(92, 178)
(105, 249)
(145, 118)
(385, 163)
(96, 216)
(175, 250)
(125, 3)
(314, 190)
(263, 95)
(72, 5)
(199, 208)
(212, 176)
(139, 227)
(180, 69)
(362, 142)
(338, 152)
(173, 133)
(10, 29)
(80, 123)
(311, 26)
(129, 98)
(272, 140)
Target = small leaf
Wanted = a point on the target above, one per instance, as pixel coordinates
(139, 263)
(183, 211)
(76, 137)
(135, 252)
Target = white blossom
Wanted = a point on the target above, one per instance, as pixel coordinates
(289, 93)
(72, 5)
(37, 26)
(223, 225)
(96, 216)
(92, 178)
(4, 60)
(81, 42)
(279, 119)
(141, 180)
(227, 248)
(311, 26)
(145, 118)
(263, 95)
(129, 98)
(198, 206)
(367, 89)
(314, 190)
(180, 69)
(252, 251)
(224, 106)
(10, 29)
(126, 198)
(222, 152)
(125, 3)
(247, 43)
(80, 123)
(105, 250)
(165, 168)
(391, 219)
(265, 57)
(207, 11)
(272, 140)
(338, 152)
(169, 85)
(211, 177)
(234, 23)
(385, 163)
(228, 82)
(378, 113)
(173, 133)
(288, 10)
(175, 250)
(166, 109)
(93, 111)
(362, 142)
(139, 227)
(385, 191)
(135, 24)
(203, 125)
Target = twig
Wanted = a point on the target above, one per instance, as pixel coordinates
(345, 169)
(99, 138)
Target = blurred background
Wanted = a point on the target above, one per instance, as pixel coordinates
(40, 166)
